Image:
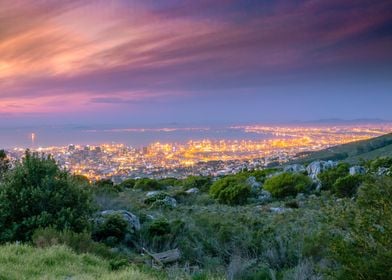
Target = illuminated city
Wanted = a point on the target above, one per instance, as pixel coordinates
(203, 157)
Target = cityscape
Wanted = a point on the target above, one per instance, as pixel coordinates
(205, 157)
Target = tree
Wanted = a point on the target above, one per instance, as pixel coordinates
(287, 184)
(4, 163)
(38, 194)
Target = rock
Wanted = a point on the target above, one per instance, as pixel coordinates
(152, 194)
(316, 167)
(193, 191)
(264, 197)
(131, 219)
(278, 210)
(170, 201)
(254, 185)
(355, 170)
(295, 168)
(382, 171)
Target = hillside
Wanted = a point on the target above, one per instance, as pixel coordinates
(352, 152)
(26, 262)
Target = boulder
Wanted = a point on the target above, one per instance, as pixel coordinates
(170, 201)
(277, 210)
(316, 167)
(295, 168)
(382, 171)
(356, 170)
(132, 220)
(152, 194)
(193, 191)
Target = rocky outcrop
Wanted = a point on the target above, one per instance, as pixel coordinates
(357, 170)
(294, 168)
(383, 171)
(316, 167)
(192, 191)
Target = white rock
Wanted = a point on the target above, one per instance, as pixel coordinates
(192, 191)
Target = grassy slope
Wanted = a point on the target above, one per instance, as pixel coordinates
(353, 152)
(26, 262)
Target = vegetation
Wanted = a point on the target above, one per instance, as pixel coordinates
(287, 184)
(231, 190)
(226, 230)
(59, 262)
(37, 193)
(4, 163)
(329, 177)
(364, 250)
(147, 184)
(354, 152)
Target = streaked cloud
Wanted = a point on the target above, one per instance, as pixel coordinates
(82, 55)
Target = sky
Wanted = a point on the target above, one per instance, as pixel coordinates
(188, 61)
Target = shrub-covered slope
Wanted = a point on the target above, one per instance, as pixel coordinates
(353, 152)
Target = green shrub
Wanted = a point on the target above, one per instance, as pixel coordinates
(159, 227)
(230, 190)
(112, 230)
(330, 176)
(38, 194)
(128, 183)
(107, 185)
(147, 184)
(347, 186)
(287, 184)
(169, 182)
(202, 183)
(364, 247)
(154, 198)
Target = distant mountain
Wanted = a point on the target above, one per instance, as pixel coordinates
(352, 152)
(352, 121)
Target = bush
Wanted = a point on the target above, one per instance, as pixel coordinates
(287, 184)
(128, 183)
(364, 250)
(347, 186)
(159, 227)
(156, 197)
(147, 184)
(202, 183)
(330, 176)
(231, 190)
(38, 194)
(112, 230)
(107, 185)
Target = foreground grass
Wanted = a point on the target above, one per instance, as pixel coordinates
(26, 262)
